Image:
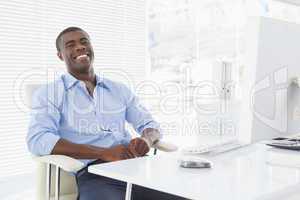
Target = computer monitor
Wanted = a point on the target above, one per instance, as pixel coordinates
(271, 104)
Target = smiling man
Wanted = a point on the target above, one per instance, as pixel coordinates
(83, 115)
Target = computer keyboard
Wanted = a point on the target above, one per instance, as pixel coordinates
(292, 143)
(215, 148)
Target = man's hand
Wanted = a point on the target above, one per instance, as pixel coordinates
(119, 152)
(138, 147)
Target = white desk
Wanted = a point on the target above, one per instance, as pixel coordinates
(242, 174)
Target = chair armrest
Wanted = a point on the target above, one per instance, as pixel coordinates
(164, 146)
(64, 162)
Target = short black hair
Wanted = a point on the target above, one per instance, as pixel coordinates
(69, 29)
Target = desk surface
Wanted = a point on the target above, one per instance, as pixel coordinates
(241, 174)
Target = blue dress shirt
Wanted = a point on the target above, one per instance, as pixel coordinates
(65, 109)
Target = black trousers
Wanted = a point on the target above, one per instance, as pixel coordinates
(95, 187)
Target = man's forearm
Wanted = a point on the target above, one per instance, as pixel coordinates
(78, 151)
(84, 151)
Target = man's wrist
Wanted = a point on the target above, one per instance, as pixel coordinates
(102, 152)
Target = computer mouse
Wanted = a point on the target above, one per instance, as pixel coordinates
(193, 162)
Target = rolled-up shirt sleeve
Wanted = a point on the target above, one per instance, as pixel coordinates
(44, 122)
(136, 114)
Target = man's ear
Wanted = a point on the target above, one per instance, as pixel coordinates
(60, 56)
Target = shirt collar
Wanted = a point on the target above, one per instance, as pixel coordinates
(100, 81)
(70, 81)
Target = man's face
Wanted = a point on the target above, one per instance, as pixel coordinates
(77, 51)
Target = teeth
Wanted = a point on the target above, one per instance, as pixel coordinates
(81, 56)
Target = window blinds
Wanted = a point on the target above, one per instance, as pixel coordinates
(28, 31)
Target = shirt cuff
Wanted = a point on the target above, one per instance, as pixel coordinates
(151, 124)
(49, 144)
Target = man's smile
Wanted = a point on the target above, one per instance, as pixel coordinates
(84, 56)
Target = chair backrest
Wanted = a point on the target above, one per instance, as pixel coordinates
(29, 90)
(68, 189)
